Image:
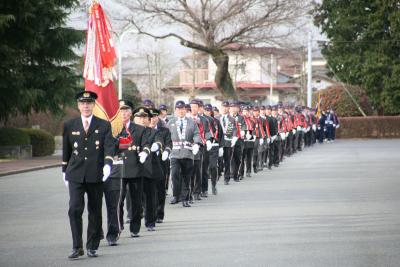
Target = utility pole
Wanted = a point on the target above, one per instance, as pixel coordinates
(271, 80)
(309, 71)
(120, 39)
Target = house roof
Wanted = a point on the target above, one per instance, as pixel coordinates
(244, 86)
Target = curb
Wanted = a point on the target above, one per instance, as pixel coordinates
(30, 169)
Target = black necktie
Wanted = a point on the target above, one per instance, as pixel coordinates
(181, 126)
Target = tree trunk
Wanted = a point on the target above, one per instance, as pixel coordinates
(223, 79)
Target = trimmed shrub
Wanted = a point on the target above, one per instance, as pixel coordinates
(13, 137)
(369, 127)
(42, 142)
(337, 98)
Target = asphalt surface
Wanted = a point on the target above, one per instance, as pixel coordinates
(332, 205)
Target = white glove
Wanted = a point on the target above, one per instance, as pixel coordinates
(283, 136)
(142, 157)
(248, 136)
(314, 127)
(287, 134)
(221, 152)
(308, 128)
(294, 131)
(261, 141)
(195, 149)
(208, 145)
(164, 155)
(106, 172)
(273, 138)
(65, 180)
(319, 127)
(242, 133)
(298, 128)
(269, 140)
(234, 140)
(334, 125)
(337, 126)
(154, 147)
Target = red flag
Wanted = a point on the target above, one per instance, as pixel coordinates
(100, 58)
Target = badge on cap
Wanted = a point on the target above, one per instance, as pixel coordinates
(96, 131)
(97, 142)
(86, 94)
(75, 144)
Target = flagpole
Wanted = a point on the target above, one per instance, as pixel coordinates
(120, 40)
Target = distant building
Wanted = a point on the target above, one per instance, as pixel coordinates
(252, 69)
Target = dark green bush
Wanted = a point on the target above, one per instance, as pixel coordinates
(42, 142)
(13, 137)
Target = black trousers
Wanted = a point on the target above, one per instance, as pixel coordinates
(181, 171)
(94, 193)
(236, 159)
(150, 194)
(213, 165)
(227, 163)
(161, 195)
(112, 192)
(220, 166)
(246, 160)
(205, 175)
(275, 152)
(196, 179)
(135, 187)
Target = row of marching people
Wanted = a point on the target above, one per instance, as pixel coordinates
(199, 143)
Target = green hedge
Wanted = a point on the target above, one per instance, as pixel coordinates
(13, 137)
(369, 127)
(42, 142)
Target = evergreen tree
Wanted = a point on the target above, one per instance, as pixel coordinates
(37, 66)
(364, 47)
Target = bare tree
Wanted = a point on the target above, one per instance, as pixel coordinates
(218, 25)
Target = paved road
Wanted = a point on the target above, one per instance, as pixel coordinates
(332, 205)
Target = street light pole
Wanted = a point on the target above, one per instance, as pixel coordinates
(309, 71)
(120, 39)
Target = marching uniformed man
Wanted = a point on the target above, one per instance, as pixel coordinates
(185, 144)
(134, 157)
(249, 139)
(238, 147)
(88, 148)
(112, 187)
(230, 138)
(217, 149)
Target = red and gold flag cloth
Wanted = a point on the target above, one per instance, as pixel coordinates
(100, 59)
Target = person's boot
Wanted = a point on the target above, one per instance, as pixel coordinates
(214, 190)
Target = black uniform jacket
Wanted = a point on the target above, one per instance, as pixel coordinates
(84, 155)
(132, 168)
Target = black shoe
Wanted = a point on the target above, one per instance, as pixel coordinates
(112, 242)
(173, 200)
(197, 197)
(151, 229)
(204, 194)
(214, 190)
(256, 169)
(76, 253)
(269, 168)
(276, 165)
(134, 235)
(248, 174)
(159, 221)
(185, 204)
(92, 253)
(236, 180)
(240, 177)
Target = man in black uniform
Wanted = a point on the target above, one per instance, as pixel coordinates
(217, 149)
(88, 147)
(238, 148)
(134, 157)
(112, 187)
